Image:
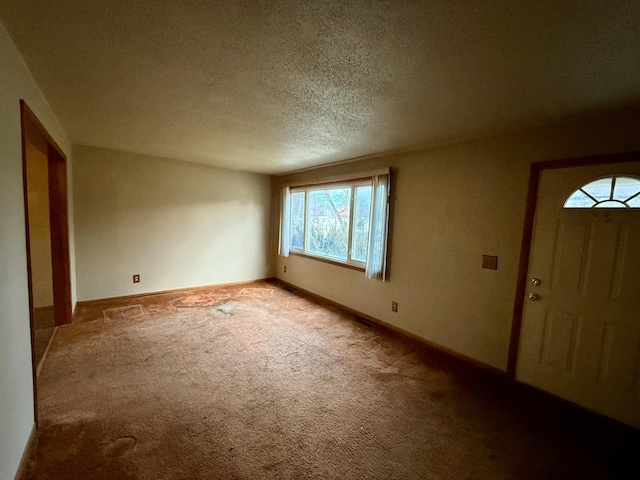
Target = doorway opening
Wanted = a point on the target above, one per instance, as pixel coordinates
(47, 235)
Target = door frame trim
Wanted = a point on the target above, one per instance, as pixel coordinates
(59, 220)
(535, 170)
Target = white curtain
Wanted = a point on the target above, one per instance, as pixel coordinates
(285, 222)
(377, 255)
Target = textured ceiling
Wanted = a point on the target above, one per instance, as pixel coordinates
(274, 86)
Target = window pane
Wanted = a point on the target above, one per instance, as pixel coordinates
(634, 202)
(360, 238)
(297, 219)
(599, 189)
(328, 229)
(610, 204)
(624, 192)
(625, 188)
(579, 199)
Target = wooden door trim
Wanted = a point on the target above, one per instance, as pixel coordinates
(27, 113)
(59, 220)
(23, 124)
(535, 170)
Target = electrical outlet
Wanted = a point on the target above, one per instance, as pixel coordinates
(285, 269)
(394, 307)
(136, 278)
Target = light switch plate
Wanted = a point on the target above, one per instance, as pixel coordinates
(490, 262)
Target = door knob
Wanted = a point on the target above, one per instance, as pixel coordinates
(535, 281)
(533, 297)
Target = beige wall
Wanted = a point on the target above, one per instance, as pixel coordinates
(39, 223)
(452, 205)
(176, 224)
(16, 389)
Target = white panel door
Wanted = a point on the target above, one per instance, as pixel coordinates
(580, 336)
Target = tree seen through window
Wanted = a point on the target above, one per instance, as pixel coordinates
(332, 221)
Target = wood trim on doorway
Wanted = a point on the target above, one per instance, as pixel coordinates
(535, 171)
(27, 113)
(59, 220)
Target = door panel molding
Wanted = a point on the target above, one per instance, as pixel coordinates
(559, 343)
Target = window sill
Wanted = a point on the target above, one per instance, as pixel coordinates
(326, 260)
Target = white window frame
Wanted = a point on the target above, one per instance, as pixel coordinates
(375, 267)
(353, 184)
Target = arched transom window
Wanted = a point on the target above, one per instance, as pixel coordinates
(609, 192)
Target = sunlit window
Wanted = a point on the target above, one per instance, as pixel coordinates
(609, 192)
(343, 222)
(332, 221)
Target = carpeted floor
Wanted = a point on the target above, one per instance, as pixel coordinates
(255, 381)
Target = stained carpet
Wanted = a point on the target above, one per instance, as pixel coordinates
(255, 381)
